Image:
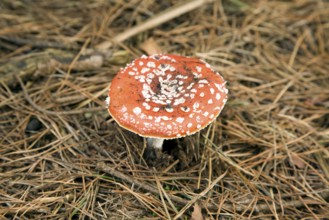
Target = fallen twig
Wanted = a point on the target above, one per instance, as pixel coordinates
(158, 19)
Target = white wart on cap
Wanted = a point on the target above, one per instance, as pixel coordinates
(166, 96)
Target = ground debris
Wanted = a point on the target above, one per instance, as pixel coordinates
(63, 157)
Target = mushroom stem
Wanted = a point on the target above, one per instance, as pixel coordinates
(155, 143)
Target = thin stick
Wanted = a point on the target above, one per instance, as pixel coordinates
(158, 19)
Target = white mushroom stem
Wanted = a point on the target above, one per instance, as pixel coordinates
(155, 143)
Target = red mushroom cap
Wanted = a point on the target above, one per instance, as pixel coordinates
(166, 96)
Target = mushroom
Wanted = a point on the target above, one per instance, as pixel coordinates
(166, 96)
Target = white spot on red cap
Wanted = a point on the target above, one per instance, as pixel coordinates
(137, 110)
(221, 88)
(185, 109)
(166, 118)
(195, 106)
(178, 101)
(156, 109)
(150, 64)
(197, 76)
(203, 81)
(145, 69)
(146, 105)
(158, 101)
(169, 109)
(148, 80)
(123, 109)
(150, 75)
(180, 120)
(190, 86)
(181, 76)
(157, 119)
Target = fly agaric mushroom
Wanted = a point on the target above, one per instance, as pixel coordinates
(166, 96)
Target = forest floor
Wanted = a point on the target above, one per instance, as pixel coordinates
(63, 157)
